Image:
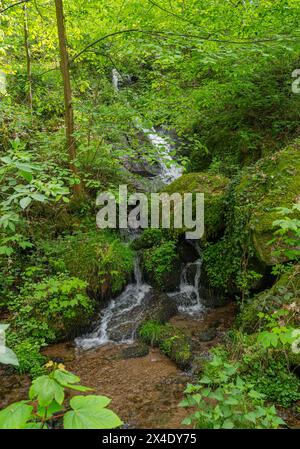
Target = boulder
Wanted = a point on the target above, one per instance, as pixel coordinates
(273, 181)
(214, 188)
(159, 307)
(285, 293)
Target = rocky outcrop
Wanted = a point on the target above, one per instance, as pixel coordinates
(273, 182)
(285, 293)
(214, 188)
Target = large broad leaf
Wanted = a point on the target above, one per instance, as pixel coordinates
(48, 412)
(65, 378)
(89, 412)
(68, 380)
(46, 390)
(8, 357)
(15, 416)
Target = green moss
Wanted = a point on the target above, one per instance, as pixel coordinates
(273, 182)
(170, 340)
(284, 292)
(213, 187)
(99, 258)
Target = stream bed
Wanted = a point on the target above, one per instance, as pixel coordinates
(146, 390)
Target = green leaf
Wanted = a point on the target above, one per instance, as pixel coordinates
(26, 175)
(25, 202)
(89, 412)
(8, 357)
(15, 416)
(65, 378)
(46, 389)
(228, 424)
(38, 197)
(251, 416)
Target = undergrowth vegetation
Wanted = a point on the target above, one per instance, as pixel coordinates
(212, 78)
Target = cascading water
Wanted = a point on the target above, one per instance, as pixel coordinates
(120, 319)
(169, 171)
(188, 297)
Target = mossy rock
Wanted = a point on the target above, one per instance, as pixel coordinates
(272, 182)
(284, 293)
(213, 187)
(135, 352)
(170, 340)
(100, 258)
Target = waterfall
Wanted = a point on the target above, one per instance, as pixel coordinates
(2, 82)
(115, 79)
(188, 297)
(169, 170)
(120, 319)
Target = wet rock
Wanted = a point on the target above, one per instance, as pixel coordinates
(135, 352)
(211, 298)
(187, 252)
(208, 335)
(160, 307)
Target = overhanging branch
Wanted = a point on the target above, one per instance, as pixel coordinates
(185, 36)
(13, 5)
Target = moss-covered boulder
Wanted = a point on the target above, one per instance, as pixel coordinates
(170, 340)
(285, 293)
(241, 261)
(272, 182)
(213, 187)
(99, 258)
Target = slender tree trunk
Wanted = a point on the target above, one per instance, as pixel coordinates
(28, 58)
(65, 71)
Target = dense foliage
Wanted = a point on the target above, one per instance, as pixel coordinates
(215, 77)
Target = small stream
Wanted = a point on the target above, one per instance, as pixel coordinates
(145, 390)
(120, 319)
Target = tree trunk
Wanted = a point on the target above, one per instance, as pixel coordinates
(28, 58)
(65, 71)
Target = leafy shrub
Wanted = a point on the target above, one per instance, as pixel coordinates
(159, 261)
(226, 401)
(47, 407)
(29, 357)
(275, 382)
(51, 309)
(264, 361)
